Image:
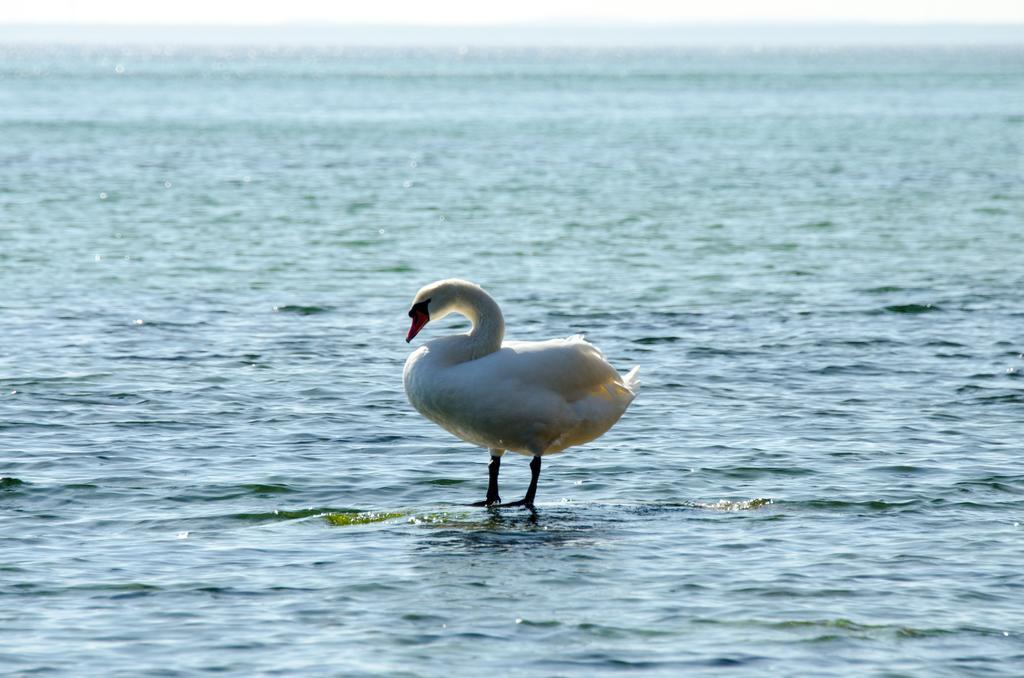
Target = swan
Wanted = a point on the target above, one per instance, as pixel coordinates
(531, 397)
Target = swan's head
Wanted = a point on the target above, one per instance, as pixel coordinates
(437, 300)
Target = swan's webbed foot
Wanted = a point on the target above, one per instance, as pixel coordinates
(490, 501)
(522, 502)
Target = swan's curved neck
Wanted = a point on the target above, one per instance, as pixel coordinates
(488, 323)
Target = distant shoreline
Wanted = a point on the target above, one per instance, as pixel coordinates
(581, 35)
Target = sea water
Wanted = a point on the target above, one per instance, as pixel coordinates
(208, 462)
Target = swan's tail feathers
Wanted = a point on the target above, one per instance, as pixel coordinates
(631, 380)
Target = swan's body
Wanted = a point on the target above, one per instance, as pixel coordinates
(531, 397)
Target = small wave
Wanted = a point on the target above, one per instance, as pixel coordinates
(990, 396)
(860, 343)
(271, 488)
(302, 310)
(40, 381)
(708, 351)
(10, 483)
(656, 340)
(900, 469)
(115, 590)
(999, 483)
(912, 309)
(850, 627)
(1016, 398)
(853, 368)
(286, 514)
(730, 506)
(540, 623)
(884, 289)
(873, 505)
(358, 206)
(752, 472)
(218, 492)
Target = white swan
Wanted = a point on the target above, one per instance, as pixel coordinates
(530, 397)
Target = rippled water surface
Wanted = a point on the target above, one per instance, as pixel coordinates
(208, 462)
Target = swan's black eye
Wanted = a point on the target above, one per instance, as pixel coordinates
(421, 308)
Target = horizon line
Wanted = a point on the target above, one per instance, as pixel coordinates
(545, 33)
(575, 22)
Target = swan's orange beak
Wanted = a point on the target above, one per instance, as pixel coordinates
(420, 317)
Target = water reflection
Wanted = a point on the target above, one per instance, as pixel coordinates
(504, 530)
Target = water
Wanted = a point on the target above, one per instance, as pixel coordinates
(208, 461)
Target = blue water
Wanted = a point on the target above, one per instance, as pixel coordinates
(208, 462)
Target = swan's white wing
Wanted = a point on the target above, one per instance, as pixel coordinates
(572, 367)
(535, 397)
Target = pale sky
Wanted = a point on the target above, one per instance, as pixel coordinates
(456, 12)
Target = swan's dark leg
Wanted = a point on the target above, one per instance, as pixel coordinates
(531, 492)
(492, 482)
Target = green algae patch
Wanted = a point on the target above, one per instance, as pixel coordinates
(342, 519)
(435, 518)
